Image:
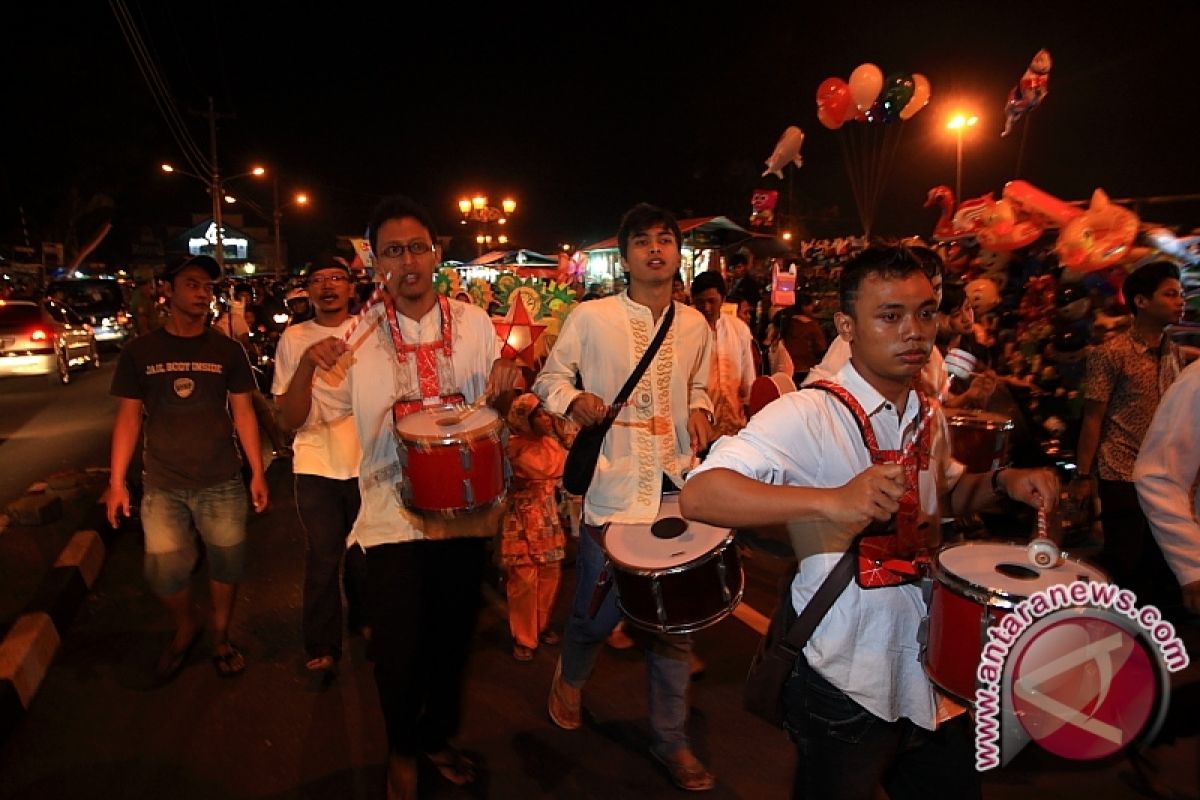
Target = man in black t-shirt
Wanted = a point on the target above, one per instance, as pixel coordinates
(193, 388)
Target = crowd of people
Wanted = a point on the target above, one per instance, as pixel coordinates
(863, 444)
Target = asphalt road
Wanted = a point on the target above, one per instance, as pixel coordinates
(99, 729)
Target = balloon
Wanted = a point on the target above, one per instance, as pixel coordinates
(920, 96)
(833, 94)
(828, 119)
(787, 151)
(865, 83)
(898, 89)
(1099, 237)
(1029, 91)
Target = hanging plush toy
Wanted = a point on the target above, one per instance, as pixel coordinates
(762, 208)
(1029, 91)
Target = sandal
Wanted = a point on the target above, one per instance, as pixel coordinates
(693, 777)
(230, 663)
(453, 766)
(171, 662)
(320, 664)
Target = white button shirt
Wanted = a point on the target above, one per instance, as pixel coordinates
(732, 374)
(866, 645)
(376, 381)
(602, 341)
(1167, 475)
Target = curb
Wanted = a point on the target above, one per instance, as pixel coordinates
(29, 647)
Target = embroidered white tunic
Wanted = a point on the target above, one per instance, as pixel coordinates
(602, 341)
(376, 380)
(732, 374)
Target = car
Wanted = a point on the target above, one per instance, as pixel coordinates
(101, 302)
(44, 338)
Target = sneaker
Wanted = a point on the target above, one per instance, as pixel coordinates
(565, 702)
(686, 771)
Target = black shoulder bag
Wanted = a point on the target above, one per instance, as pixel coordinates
(585, 450)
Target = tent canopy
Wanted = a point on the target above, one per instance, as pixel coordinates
(520, 258)
(710, 231)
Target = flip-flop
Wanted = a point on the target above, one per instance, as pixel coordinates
(171, 662)
(453, 766)
(229, 664)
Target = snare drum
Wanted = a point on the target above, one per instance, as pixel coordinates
(453, 459)
(674, 575)
(975, 585)
(979, 439)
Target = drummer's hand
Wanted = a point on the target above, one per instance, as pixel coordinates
(700, 432)
(1035, 487)
(981, 389)
(325, 353)
(1081, 489)
(587, 409)
(503, 377)
(873, 494)
(1191, 596)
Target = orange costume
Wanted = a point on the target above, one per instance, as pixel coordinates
(531, 540)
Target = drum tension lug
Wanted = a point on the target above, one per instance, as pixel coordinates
(726, 594)
(468, 493)
(656, 590)
(464, 453)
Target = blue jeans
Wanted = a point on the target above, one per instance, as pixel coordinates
(667, 669)
(845, 752)
(170, 518)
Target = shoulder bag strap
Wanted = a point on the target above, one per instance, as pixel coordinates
(640, 369)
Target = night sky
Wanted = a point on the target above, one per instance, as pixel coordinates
(579, 112)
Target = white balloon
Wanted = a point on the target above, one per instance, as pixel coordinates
(865, 83)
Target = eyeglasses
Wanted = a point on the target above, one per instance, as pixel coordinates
(321, 280)
(397, 250)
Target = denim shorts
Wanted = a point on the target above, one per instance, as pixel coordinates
(170, 520)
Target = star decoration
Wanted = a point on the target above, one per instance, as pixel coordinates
(518, 334)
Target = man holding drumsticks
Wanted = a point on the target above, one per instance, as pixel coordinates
(410, 350)
(858, 704)
(653, 442)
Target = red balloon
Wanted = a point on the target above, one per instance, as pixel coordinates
(834, 95)
(828, 118)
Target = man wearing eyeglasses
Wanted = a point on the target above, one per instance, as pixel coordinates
(325, 464)
(411, 350)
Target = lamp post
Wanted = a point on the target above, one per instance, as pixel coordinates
(959, 123)
(275, 215)
(216, 188)
(476, 209)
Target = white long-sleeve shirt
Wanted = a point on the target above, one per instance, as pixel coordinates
(732, 373)
(1167, 475)
(602, 341)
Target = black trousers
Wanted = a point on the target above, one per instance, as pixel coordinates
(327, 509)
(424, 600)
(1131, 556)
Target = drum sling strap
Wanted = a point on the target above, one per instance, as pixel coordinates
(426, 356)
(869, 553)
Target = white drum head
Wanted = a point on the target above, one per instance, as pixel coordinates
(985, 420)
(446, 422)
(1004, 567)
(636, 547)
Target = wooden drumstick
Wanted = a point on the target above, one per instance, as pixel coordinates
(959, 364)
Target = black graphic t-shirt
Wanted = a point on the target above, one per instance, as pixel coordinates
(184, 386)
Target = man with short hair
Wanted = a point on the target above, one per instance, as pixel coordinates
(731, 372)
(325, 464)
(186, 380)
(802, 336)
(653, 441)
(827, 462)
(414, 349)
(1126, 377)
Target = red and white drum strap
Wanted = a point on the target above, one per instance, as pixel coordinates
(426, 359)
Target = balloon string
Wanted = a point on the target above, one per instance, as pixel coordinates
(849, 158)
(1021, 147)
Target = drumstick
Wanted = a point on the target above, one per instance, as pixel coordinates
(959, 364)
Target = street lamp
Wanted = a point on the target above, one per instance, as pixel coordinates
(476, 209)
(216, 188)
(959, 123)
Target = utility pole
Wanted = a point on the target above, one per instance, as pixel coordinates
(276, 216)
(218, 195)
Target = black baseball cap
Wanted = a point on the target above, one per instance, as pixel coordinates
(326, 261)
(206, 263)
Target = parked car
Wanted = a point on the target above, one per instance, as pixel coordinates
(101, 302)
(44, 338)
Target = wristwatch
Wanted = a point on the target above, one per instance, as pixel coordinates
(997, 489)
(708, 415)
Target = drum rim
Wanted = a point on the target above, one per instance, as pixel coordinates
(946, 690)
(446, 513)
(720, 547)
(693, 626)
(449, 440)
(996, 598)
(961, 421)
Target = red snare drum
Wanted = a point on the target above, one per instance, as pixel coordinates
(453, 459)
(979, 439)
(975, 585)
(674, 575)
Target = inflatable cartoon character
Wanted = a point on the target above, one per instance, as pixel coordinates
(1097, 238)
(1000, 229)
(762, 208)
(1029, 91)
